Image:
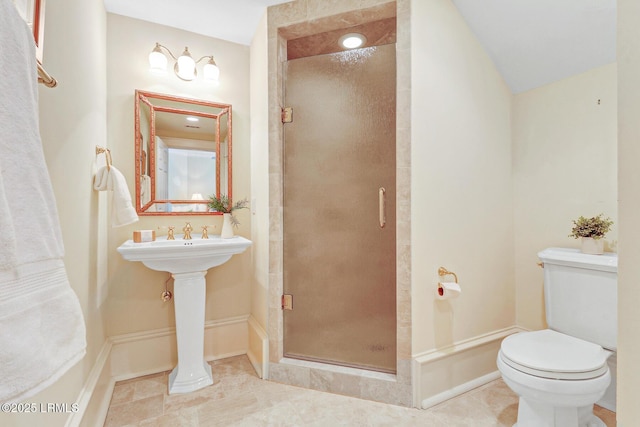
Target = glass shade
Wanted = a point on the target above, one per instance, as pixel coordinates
(186, 66)
(157, 60)
(211, 71)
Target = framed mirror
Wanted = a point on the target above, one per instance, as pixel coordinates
(182, 154)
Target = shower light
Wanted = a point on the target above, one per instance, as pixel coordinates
(184, 66)
(352, 40)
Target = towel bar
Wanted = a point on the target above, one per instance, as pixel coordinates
(45, 78)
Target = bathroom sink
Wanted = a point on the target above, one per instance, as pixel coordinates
(184, 256)
(188, 262)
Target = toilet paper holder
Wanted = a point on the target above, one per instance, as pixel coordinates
(444, 272)
(447, 290)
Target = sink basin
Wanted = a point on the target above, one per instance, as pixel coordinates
(188, 262)
(184, 256)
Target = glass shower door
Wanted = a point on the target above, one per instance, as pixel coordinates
(339, 209)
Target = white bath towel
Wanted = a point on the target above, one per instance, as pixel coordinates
(122, 211)
(42, 332)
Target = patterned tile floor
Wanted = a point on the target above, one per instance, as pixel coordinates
(240, 398)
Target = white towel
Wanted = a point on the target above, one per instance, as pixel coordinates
(42, 332)
(122, 211)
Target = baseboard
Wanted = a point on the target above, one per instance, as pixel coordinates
(258, 351)
(93, 400)
(446, 372)
(148, 352)
(144, 353)
(460, 389)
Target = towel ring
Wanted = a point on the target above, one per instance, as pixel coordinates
(107, 155)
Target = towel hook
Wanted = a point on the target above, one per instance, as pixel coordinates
(443, 272)
(107, 155)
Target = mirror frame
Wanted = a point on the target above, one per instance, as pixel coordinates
(144, 97)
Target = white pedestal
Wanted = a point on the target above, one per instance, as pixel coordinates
(192, 372)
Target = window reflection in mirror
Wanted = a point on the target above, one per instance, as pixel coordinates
(183, 153)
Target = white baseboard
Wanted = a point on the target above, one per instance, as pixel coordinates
(460, 389)
(449, 371)
(94, 398)
(149, 352)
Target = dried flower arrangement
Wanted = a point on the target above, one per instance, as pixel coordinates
(223, 204)
(595, 227)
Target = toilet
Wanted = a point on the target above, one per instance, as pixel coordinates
(560, 372)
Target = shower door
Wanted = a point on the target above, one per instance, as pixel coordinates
(339, 209)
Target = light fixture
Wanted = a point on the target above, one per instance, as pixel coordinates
(185, 65)
(352, 40)
(192, 119)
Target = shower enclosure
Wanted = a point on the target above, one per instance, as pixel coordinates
(339, 209)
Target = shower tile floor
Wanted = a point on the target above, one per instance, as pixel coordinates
(239, 398)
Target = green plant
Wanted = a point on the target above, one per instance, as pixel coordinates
(223, 204)
(595, 227)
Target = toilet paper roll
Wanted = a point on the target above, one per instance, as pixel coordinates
(448, 290)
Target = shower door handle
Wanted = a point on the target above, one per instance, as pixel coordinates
(382, 207)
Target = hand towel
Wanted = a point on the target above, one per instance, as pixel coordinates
(42, 331)
(122, 211)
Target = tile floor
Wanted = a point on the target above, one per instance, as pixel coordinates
(239, 398)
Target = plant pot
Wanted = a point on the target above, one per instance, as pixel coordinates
(592, 246)
(227, 226)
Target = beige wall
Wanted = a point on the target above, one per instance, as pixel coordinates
(564, 166)
(259, 87)
(72, 121)
(134, 290)
(461, 192)
(629, 206)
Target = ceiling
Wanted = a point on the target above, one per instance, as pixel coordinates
(232, 20)
(532, 42)
(536, 42)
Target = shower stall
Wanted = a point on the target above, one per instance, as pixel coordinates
(339, 216)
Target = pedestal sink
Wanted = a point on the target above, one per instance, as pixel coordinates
(188, 262)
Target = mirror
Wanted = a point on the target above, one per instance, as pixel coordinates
(183, 153)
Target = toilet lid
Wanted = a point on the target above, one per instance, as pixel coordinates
(550, 354)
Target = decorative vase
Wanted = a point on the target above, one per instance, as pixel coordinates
(592, 246)
(227, 226)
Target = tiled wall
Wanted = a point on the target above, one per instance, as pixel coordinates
(297, 19)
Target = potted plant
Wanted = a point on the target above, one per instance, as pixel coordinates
(591, 231)
(223, 204)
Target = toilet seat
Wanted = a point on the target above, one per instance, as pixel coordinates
(553, 355)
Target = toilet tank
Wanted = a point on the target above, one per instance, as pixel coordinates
(581, 294)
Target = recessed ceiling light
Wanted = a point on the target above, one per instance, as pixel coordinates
(352, 40)
(192, 119)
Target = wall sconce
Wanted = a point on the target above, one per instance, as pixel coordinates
(185, 65)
